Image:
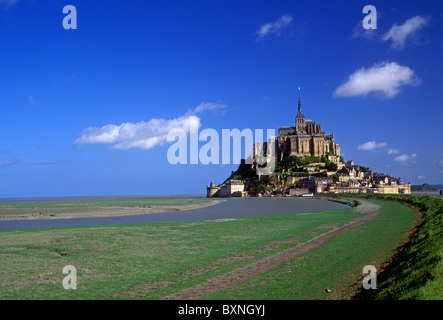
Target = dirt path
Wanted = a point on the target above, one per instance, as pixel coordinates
(267, 264)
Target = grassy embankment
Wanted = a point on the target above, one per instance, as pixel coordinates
(149, 261)
(416, 272)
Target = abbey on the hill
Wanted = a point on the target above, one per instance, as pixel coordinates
(307, 161)
(306, 138)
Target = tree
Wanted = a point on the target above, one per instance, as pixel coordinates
(321, 174)
(343, 170)
(331, 166)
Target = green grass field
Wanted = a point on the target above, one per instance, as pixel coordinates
(335, 266)
(149, 261)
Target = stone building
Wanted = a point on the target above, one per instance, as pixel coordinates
(306, 138)
(233, 188)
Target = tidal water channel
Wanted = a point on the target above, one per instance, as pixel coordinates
(229, 208)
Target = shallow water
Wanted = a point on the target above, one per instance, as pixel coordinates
(227, 209)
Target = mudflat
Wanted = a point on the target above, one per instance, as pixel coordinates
(71, 209)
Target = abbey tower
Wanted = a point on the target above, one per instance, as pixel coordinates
(306, 138)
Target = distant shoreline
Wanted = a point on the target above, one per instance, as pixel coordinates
(111, 211)
(435, 193)
(99, 198)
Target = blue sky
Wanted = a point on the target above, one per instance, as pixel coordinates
(85, 111)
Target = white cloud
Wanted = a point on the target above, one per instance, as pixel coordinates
(145, 134)
(4, 163)
(208, 106)
(421, 177)
(9, 162)
(405, 157)
(393, 151)
(399, 34)
(274, 27)
(372, 145)
(385, 77)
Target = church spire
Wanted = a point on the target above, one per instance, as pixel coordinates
(299, 100)
(299, 118)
